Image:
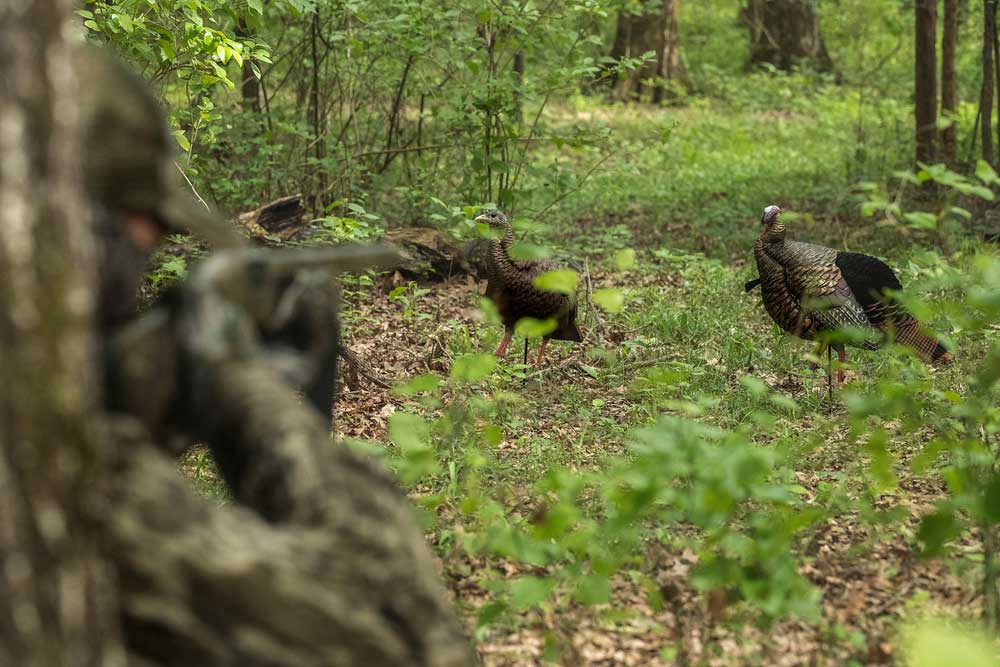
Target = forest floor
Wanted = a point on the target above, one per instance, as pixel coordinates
(689, 342)
(576, 409)
(870, 578)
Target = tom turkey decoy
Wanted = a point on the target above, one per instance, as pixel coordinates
(809, 289)
(511, 286)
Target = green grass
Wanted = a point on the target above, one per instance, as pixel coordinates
(517, 450)
(697, 177)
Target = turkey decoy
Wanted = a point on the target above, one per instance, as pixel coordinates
(511, 286)
(809, 289)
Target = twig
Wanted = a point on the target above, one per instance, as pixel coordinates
(193, 189)
(358, 367)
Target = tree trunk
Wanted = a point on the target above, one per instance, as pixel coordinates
(785, 33)
(315, 113)
(949, 87)
(249, 84)
(56, 595)
(656, 32)
(925, 77)
(986, 94)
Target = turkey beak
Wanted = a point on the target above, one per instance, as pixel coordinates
(481, 218)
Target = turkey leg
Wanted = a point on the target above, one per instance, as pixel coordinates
(829, 375)
(503, 344)
(541, 350)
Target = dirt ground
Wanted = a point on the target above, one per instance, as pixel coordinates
(868, 581)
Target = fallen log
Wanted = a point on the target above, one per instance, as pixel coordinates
(434, 256)
(283, 218)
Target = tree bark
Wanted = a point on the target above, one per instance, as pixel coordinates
(56, 596)
(925, 77)
(949, 86)
(986, 92)
(315, 111)
(657, 32)
(785, 33)
(249, 84)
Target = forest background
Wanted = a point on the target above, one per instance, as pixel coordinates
(678, 489)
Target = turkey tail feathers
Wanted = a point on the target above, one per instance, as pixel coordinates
(908, 333)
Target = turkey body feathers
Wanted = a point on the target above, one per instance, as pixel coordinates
(511, 287)
(808, 289)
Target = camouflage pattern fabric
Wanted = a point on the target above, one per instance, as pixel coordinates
(319, 559)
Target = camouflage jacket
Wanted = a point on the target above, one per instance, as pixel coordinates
(317, 561)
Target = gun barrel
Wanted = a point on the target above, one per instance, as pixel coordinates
(341, 259)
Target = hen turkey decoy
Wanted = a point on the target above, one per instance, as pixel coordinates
(808, 289)
(511, 286)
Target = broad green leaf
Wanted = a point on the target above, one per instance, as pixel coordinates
(593, 589)
(921, 219)
(528, 251)
(182, 140)
(960, 212)
(982, 192)
(492, 434)
(985, 173)
(755, 385)
(610, 299)
(473, 367)
(625, 259)
(939, 643)
(529, 327)
(489, 612)
(528, 591)
(563, 281)
(418, 384)
(408, 431)
(125, 21)
(870, 208)
(936, 530)
(991, 500)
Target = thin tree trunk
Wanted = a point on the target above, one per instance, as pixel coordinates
(986, 94)
(518, 68)
(249, 85)
(925, 77)
(56, 595)
(949, 94)
(314, 110)
(397, 103)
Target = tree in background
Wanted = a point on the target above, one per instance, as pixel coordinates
(987, 92)
(949, 84)
(784, 33)
(647, 29)
(925, 78)
(56, 595)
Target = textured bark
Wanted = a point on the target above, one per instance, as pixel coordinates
(949, 85)
(986, 92)
(655, 31)
(285, 218)
(785, 33)
(56, 596)
(925, 78)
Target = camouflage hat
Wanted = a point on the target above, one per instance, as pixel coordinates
(128, 151)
